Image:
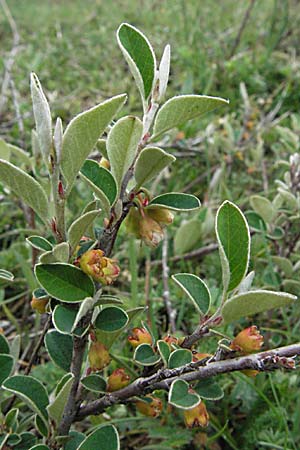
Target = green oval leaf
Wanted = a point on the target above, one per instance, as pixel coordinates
(39, 243)
(151, 161)
(180, 396)
(111, 319)
(4, 346)
(75, 440)
(176, 202)
(79, 226)
(234, 244)
(196, 289)
(105, 438)
(253, 302)
(25, 187)
(209, 389)
(63, 318)
(6, 364)
(255, 221)
(179, 358)
(94, 383)
(60, 349)
(64, 282)
(122, 143)
(164, 351)
(144, 355)
(57, 406)
(263, 207)
(100, 179)
(139, 56)
(178, 110)
(31, 391)
(82, 134)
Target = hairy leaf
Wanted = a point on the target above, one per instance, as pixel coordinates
(82, 133)
(253, 302)
(151, 161)
(178, 110)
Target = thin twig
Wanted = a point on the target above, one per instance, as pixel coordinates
(171, 312)
(263, 361)
(242, 28)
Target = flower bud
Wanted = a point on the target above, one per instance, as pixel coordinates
(197, 416)
(104, 163)
(248, 341)
(161, 215)
(117, 380)
(101, 269)
(39, 304)
(139, 336)
(98, 356)
(150, 231)
(151, 408)
(198, 356)
(251, 373)
(169, 339)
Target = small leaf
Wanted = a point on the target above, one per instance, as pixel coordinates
(178, 110)
(255, 221)
(25, 187)
(94, 383)
(234, 244)
(101, 180)
(78, 228)
(39, 243)
(253, 302)
(6, 275)
(42, 116)
(263, 207)
(176, 202)
(4, 346)
(284, 264)
(64, 282)
(164, 351)
(246, 283)
(122, 143)
(106, 299)
(60, 349)
(208, 389)
(151, 161)
(75, 440)
(82, 133)
(41, 426)
(56, 408)
(31, 391)
(104, 437)
(63, 318)
(180, 396)
(108, 338)
(187, 236)
(111, 319)
(196, 289)
(85, 306)
(61, 252)
(11, 418)
(144, 355)
(179, 358)
(6, 364)
(139, 55)
(163, 71)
